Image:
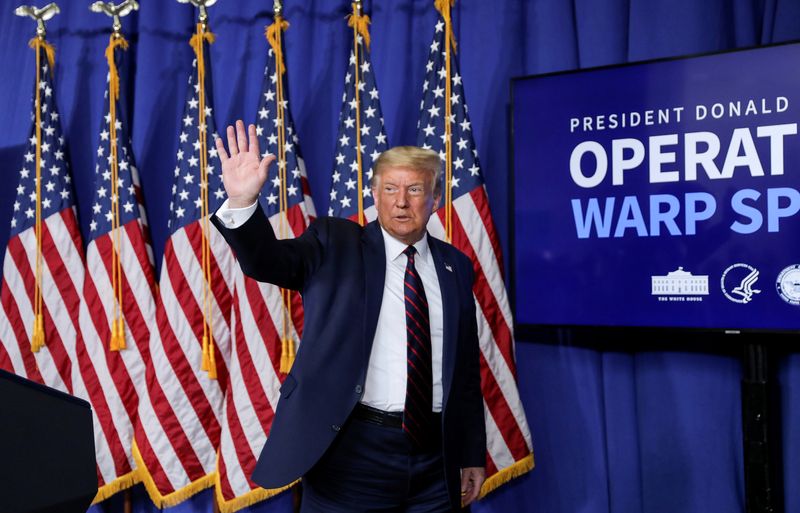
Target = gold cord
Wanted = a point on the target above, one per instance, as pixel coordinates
(208, 364)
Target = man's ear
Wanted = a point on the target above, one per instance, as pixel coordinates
(436, 200)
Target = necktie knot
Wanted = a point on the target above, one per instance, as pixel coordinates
(410, 251)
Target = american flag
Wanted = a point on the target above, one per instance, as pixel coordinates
(179, 425)
(62, 255)
(360, 120)
(261, 316)
(509, 451)
(119, 250)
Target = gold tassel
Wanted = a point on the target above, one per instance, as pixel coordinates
(114, 342)
(205, 363)
(37, 339)
(287, 355)
(120, 324)
(360, 22)
(212, 361)
(272, 36)
(292, 354)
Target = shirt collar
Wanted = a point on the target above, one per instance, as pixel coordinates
(394, 248)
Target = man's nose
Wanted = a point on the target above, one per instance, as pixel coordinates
(402, 199)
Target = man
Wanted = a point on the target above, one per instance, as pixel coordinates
(382, 410)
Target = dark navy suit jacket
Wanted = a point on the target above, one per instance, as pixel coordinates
(339, 267)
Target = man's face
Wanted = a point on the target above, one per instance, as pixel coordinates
(404, 201)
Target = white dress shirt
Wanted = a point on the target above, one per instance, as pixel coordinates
(385, 386)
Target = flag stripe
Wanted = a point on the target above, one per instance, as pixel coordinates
(63, 297)
(181, 365)
(501, 332)
(103, 415)
(481, 203)
(26, 362)
(266, 330)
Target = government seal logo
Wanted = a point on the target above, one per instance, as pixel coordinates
(788, 284)
(737, 283)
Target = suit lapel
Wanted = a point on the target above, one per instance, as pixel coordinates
(375, 275)
(449, 288)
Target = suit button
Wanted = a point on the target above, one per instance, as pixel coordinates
(358, 389)
(335, 427)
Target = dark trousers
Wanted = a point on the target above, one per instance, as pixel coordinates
(373, 468)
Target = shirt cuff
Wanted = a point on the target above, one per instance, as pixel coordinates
(233, 218)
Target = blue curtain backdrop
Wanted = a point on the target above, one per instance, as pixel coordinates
(614, 431)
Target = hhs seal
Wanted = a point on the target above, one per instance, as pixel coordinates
(737, 283)
(788, 284)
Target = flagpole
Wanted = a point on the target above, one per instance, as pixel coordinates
(357, 23)
(274, 35)
(39, 43)
(443, 6)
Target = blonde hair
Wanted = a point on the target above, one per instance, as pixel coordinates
(410, 157)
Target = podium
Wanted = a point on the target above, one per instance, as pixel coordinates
(47, 462)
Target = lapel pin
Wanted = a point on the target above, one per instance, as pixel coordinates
(447, 266)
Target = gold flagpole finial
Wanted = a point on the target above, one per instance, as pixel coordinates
(203, 6)
(39, 15)
(277, 8)
(115, 11)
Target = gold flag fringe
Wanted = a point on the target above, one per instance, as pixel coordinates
(173, 498)
(119, 484)
(248, 499)
(519, 468)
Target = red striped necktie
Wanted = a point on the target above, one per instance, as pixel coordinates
(418, 411)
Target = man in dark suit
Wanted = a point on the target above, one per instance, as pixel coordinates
(382, 410)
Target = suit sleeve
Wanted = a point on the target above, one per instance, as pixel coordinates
(473, 453)
(262, 256)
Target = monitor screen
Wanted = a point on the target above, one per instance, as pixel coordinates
(660, 194)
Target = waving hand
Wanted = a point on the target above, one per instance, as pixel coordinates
(243, 170)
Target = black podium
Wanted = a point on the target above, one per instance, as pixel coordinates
(47, 462)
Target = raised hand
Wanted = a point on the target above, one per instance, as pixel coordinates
(243, 170)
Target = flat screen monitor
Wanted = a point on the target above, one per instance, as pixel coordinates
(660, 194)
